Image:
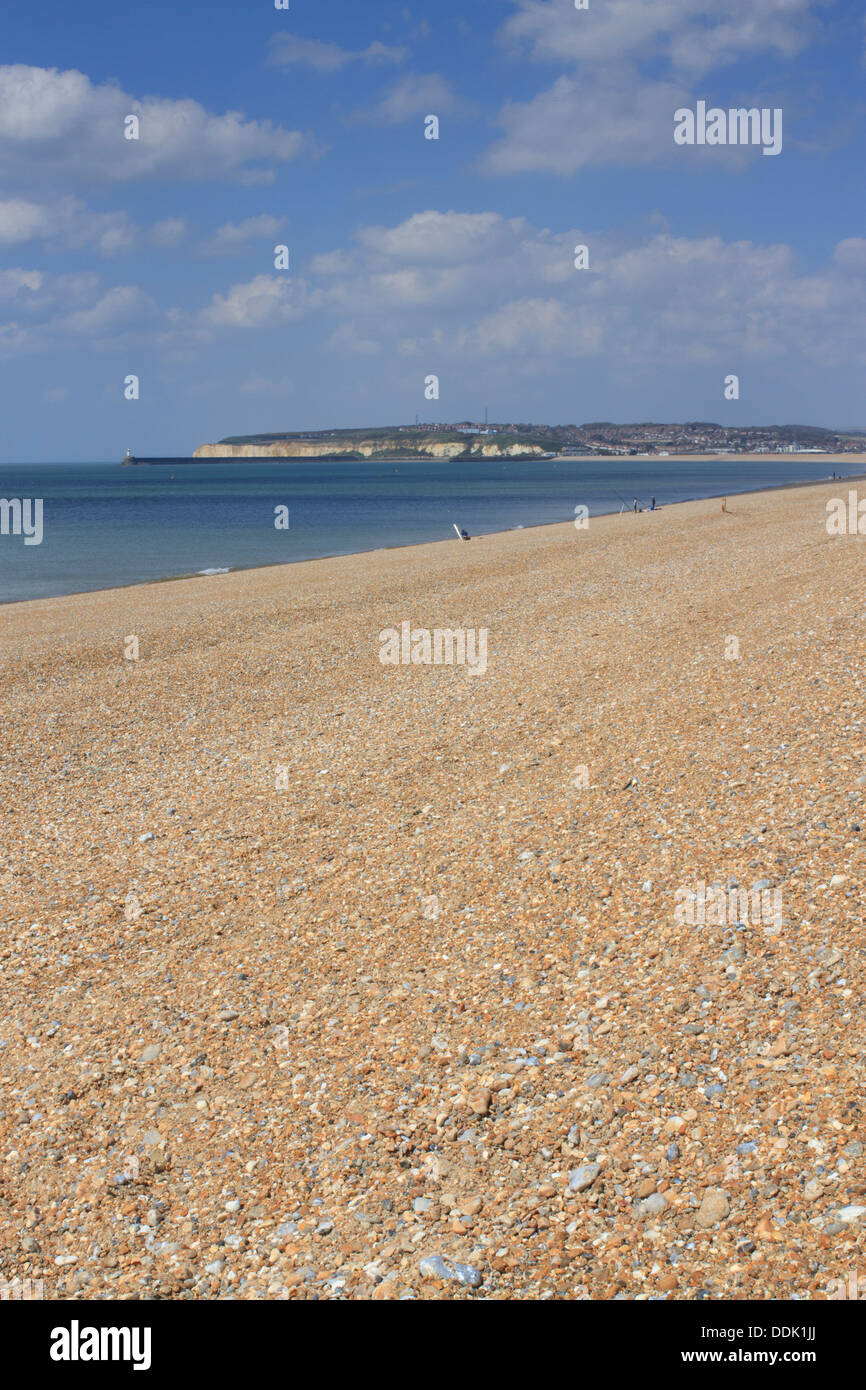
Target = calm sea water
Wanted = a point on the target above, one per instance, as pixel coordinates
(105, 525)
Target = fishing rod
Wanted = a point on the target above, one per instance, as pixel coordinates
(630, 505)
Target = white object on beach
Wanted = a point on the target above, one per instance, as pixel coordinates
(457, 529)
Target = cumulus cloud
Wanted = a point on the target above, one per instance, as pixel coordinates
(12, 282)
(691, 35)
(234, 236)
(60, 126)
(56, 311)
(123, 306)
(65, 223)
(477, 288)
(266, 299)
(611, 119)
(433, 237)
(481, 286)
(629, 66)
(412, 96)
(287, 49)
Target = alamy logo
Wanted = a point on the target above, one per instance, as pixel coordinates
(444, 646)
(22, 1290)
(846, 522)
(22, 516)
(714, 907)
(854, 1288)
(76, 1343)
(738, 126)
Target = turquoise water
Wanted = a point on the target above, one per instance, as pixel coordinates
(105, 526)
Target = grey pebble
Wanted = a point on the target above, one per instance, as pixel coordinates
(653, 1205)
(579, 1179)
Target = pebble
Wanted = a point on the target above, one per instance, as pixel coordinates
(363, 1031)
(579, 1179)
(653, 1205)
(439, 1267)
(713, 1209)
(850, 1214)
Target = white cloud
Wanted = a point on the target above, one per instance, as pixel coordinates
(53, 311)
(233, 236)
(124, 306)
(454, 259)
(472, 288)
(510, 291)
(412, 96)
(65, 224)
(692, 35)
(851, 253)
(614, 119)
(21, 222)
(329, 57)
(331, 263)
(433, 237)
(60, 126)
(12, 282)
(606, 108)
(264, 300)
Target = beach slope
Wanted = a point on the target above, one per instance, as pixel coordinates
(316, 969)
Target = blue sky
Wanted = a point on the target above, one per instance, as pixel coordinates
(409, 256)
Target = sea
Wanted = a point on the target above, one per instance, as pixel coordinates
(106, 525)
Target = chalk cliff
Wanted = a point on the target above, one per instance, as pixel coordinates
(351, 444)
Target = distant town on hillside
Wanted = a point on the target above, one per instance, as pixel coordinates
(599, 437)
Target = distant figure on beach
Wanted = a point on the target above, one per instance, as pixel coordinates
(653, 505)
(464, 534)
(724, 504)
(635, 504)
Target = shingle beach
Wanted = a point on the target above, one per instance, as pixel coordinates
(327, 977)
